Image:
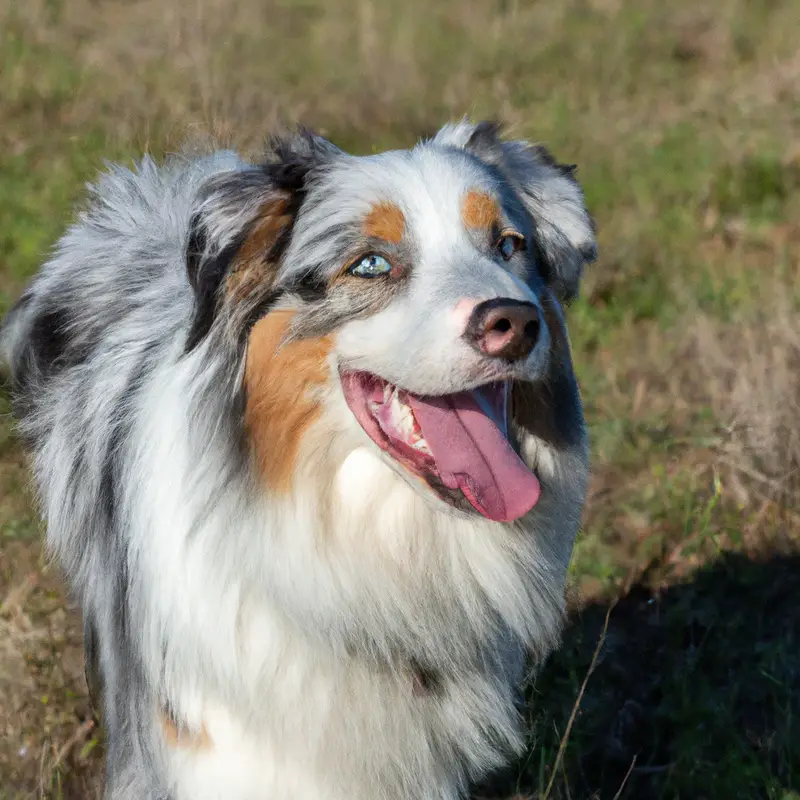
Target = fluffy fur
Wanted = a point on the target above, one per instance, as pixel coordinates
(273, 607)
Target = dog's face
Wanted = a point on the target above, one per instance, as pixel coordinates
(422, 287)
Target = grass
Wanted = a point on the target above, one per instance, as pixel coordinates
(683, 119)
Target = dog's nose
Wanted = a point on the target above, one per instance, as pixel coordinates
(503, 328)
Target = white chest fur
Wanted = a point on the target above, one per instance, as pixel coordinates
(292, 629)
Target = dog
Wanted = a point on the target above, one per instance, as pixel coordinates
(311, 453)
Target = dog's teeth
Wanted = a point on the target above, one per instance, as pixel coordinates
(403, 418)
(422, 446)
(400, 418)
(397, 406)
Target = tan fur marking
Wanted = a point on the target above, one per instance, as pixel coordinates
(280, 406)
(480, 210)
(250, 267)
(181, 737)
(385, 221)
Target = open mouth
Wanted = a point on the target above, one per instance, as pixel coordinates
(457, 442)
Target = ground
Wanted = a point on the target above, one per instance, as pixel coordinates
(679, 672)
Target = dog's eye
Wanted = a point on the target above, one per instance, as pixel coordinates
(510, 243)
(371, 266)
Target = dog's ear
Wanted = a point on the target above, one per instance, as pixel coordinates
(241, 227)
(563, 230)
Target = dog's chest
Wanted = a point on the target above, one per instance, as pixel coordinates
(363, 480)
(333, 738)
(309, 721)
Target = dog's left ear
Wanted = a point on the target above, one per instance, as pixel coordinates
(241, 226)
(563, 230)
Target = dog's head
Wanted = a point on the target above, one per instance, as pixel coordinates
(411, 297)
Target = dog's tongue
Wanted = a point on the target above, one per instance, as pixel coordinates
(467, 438)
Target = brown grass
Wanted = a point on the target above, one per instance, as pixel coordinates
(751, 374)
(46, 724)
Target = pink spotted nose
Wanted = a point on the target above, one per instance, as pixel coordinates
(503, 328)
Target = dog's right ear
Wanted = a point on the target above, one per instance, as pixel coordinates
(241, 227)
(564, 233)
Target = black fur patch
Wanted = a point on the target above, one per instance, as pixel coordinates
(545, 267)
(551, 409)
(49, 338)
(485, 136)
(49, 347)
(425, 681)
(195, 249)
(259, 310)
(310, 288)
(91, 663)
(206, 276)
(111, 473)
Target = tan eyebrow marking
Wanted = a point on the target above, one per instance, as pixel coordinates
(480, 210)
(385, 221)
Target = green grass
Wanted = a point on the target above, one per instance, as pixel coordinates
(682, 118)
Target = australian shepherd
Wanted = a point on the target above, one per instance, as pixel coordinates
(310, 450)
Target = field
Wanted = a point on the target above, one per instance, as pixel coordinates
(679, 676)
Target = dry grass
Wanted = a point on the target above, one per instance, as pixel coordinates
(683, 119)
(752, 376)
(46, 723)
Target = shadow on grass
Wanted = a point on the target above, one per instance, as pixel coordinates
(699, 683)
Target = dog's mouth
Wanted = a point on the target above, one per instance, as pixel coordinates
(457, 442)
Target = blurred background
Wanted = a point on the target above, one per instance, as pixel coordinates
(680, 670)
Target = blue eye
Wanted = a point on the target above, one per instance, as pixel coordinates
(371, 266)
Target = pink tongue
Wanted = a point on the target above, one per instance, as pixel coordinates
(474, 455)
